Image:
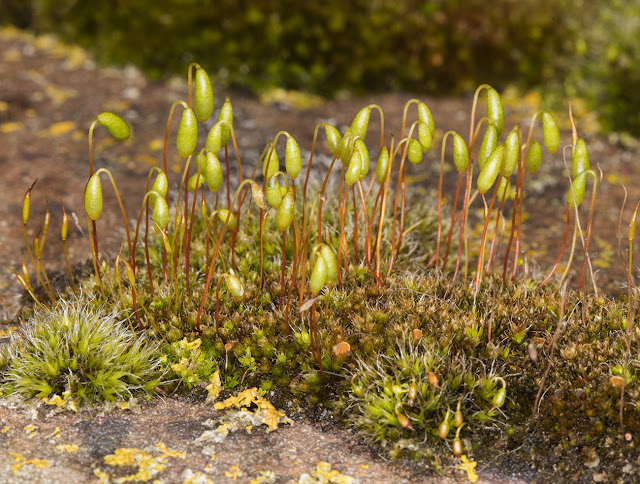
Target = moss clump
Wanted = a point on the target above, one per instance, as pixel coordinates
(80, 350)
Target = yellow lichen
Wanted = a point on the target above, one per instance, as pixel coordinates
(67, 448)
(214, 387)
(21, 461)
(469, 467)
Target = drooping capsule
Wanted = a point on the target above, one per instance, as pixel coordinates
(214, 138)
(235, 286)
(212, 172)
(534, 157)
(333, 137)
(203, 95)
(460, 153)
(286, 211)
(495, 110)
(187, 133)
(93, 197)
(360, 123)
(424, 137)
(273, 194)
(223, 214)
(488, 145)
(160, 212)
(414, 152)
(424, 115)
(511, 153)
(332, 265)
(491, 169)
(161, 184)
(292, 159)
(352, 174)
(226, 115)
(382, 166)
(117, 127)
(271, 163)
(550, 133)
(318, 276)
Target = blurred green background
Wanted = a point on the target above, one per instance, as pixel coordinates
(564, 48)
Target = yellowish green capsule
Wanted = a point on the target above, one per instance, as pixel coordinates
(226, 115)
(352, 174)
(333, 137)
(65, 224)
(534, 157)
(332, 265)
(360, 123)
(93, 197)
(214, 138)
(223, 214)
(488, 145)
(318, 276)
(364, 153)
(511, 153)
(495, 110)
(286, 211)
(491, 169)
(160, 211)
(187, 133)
(579, 158)
(460, 153)
(550, 132)
(424, 115)
(271, 163)
(414, 152)
(203, 95)
(191, 183)
(117, 127)
(26, 203)
(235, 286)
(579, 184)
(212, 172)
(161, 184)
(503, 188)
(292, 158)
(424, 137)
(273, 194)
(382, 167)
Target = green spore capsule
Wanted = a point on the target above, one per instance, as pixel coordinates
(488, 145)
(579, 158)
(364, 153)
(214, 138)
(187, 133)
(286, 211)
(160, 211)
(424, 115)
(161, 184)
(460, 153)
(495, 110)
(203, 95)
(93, 197)
(191, 184)
(360, 123)
(235, 286)
(424, 137)
(333, 138)
(550, 132)
(226, 115)
(579, 183)
(212, 172)
(414, 152)
(318, 275)
(117, 127)
(352, 174)
(271, 163)
(273, 194)
(511, 153)
(534, 157)
(503, 188)
(292, 159)
(382, 167)
(223, 213)
(491, 169)
(332, 265)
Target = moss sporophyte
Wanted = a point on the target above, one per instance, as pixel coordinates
(352, 294)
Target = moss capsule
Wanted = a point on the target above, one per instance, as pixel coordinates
(424, 137)
(550, 132)
(414, 153)
(318, 276)
(495, 110)
(203, 95)
(382, 167)
(424, 115)
(352, 174)
(534, 157)
(93, 197)
(117, 127)
(292, 159)
(187, 133)
(491, 169)
(360, 123)
(333, 137)
(223, 214)
(286, 211)
(511, 153)
(460, 153)
(271, 163)
(226, 115)
(488, 145)
(214, 138)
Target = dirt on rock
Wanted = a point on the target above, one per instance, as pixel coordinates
(49, 94)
